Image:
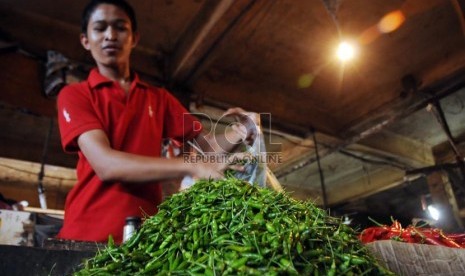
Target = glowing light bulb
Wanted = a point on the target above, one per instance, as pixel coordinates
(433, 212)
(345, 51)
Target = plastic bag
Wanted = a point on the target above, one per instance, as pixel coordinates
(255, 164)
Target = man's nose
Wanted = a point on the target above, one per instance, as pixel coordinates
(110, 33)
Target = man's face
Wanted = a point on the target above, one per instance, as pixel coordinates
(109, 36)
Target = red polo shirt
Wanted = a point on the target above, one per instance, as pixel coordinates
(134, 123)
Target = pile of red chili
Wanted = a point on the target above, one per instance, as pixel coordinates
(412, 234)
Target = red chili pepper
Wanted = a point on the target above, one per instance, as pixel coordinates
(427, 238)
(456, 236)
(380, 233)
(417, 238)
(393, 234)
(396, 225)
(412, 234)
(368, 235)
(432, 231)
(406, 236)
(449, 242)
(432, 241)
(460, 241)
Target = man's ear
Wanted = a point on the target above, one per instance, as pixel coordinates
(85, 42)
(135, 39)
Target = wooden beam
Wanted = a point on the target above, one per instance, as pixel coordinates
(385, 147)
(45, 211)
(377, 121)
(444, 153)
(293, 153)
(348, 185)
(19, 181)
(55, 177)
(374, 182)
(361, 136)
(303, 153)
(352, 180)
(400, 148)
(440, 186)
(403, 106)
(269, 123)
(214, 21)
(443, 196)
(23, 137)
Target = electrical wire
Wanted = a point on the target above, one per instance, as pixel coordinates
(21, 110)
(367, 160)
(375, 162)
(347, 153)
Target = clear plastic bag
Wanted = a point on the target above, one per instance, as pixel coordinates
(255, 163)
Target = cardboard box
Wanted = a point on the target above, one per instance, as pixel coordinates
(419, 259)
(16, 228)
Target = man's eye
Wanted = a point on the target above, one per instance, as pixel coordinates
(121, 28)
(99, 29)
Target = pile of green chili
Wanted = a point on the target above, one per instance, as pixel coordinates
(228, 227)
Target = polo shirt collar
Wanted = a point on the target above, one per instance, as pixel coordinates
(95, 79)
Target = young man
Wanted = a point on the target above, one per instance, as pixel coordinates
(116, 123)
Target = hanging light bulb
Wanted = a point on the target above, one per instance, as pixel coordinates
(345, 51)
(433, 212)
(428, 206)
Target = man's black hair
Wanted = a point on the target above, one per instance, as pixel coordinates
(92, 5)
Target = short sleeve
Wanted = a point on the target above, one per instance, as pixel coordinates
(180, 125)
(76, 115)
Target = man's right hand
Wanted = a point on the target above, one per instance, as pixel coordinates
(213, 166)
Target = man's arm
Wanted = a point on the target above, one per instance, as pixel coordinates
(114, 165)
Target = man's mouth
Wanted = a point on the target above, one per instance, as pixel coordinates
(111, 48)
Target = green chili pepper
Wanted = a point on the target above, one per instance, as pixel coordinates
(166, 241)
(299, 247)
(270, 227)
(228, 227)
(258, 218)
(239, 248)
(214, 228)
(239, 262)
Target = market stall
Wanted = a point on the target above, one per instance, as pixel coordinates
(351, 115)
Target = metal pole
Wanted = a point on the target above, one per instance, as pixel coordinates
(40, 188)
(435, 107)
(322, 179)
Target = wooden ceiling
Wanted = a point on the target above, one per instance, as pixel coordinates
(275, 57)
